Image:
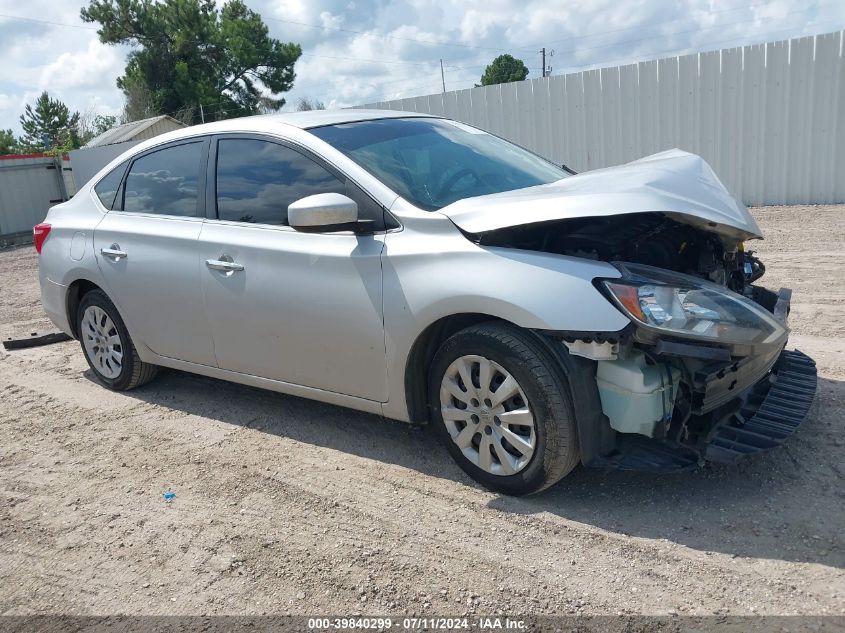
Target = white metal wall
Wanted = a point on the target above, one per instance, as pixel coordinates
(29, 186)
(87, 161)
(769, 118)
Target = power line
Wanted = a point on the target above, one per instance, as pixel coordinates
(533, 46)
(373, 61)
(640, 26)
(384, 35)
(579, 49)
(695, 30)
(620, 61)
(398, 37)
(453, 67)
(639, 39)
(389, 97)
(650, 55)
(73, 26)
(357, 59)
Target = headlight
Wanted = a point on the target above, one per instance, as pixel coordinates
(690, 307)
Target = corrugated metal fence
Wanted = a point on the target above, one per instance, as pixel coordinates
(29, 186)
(769, 118)
(87, 161)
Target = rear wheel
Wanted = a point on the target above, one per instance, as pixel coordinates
(503, 408)
(109, 350)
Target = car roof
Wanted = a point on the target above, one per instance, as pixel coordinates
(317, 118)
(301, 120)
(270, 123)
(262, 123)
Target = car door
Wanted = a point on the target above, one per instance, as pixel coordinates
(302, 308)
(146, 248)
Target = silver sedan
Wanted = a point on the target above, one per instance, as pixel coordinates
(421, 269)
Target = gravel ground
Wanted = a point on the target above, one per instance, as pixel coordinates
(289, 506)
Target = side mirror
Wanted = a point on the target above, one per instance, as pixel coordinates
(323, 212)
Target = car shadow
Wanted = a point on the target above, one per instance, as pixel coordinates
(788, 504)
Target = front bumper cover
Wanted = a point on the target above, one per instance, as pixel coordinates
(774, 409)
(769, 413)
(747, 401)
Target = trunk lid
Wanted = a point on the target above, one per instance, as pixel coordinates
(679, 184)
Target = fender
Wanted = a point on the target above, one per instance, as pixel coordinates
(437, 272)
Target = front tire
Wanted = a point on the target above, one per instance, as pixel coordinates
(107, 346)
(503, 408)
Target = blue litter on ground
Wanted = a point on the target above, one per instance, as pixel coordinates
(169, 496)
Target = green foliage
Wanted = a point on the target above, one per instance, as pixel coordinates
(103, 123)
(93, 125)
(188, 53)
(49, 127)
(504, 69)
(8, 142)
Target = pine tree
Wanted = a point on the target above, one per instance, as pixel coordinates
(187, 53)
(8, 142)
(49, 126)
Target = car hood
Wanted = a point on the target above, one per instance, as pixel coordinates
(679, 184)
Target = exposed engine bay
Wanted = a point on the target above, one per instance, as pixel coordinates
(644, 238)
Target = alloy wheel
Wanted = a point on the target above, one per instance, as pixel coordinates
(102, 342)
(487, 415)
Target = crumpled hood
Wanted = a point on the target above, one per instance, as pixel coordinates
(674, 182)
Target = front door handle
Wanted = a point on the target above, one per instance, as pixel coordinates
(114, 252)
(224, 264)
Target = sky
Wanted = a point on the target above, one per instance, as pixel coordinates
(362, 51)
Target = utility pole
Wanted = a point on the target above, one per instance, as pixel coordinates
(202, 114)
(442, 76)
(547, 70)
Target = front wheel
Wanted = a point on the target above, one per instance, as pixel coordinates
(502, 406)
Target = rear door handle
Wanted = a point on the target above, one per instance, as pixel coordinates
(114, 252)
(223, 265)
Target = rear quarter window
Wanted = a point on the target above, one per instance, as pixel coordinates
(106, 189)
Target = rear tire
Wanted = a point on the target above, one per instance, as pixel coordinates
(107, 346)
(531, 439)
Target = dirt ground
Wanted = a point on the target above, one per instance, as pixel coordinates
(285, 505)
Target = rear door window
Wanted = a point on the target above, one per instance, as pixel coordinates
(165, 182)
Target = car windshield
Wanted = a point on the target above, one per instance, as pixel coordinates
(435, 162)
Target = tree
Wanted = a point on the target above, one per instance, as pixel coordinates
(139, 103)
(187, 54)
(8, 142)
(49, 126)
(92, 125)
(306, 103)
(504, 69)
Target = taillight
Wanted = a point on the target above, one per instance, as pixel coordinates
(39, 234)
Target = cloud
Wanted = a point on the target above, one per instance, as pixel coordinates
(83, 70)
(67, 61)
(360, 51)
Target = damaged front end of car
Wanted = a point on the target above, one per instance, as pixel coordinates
(701, 373)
